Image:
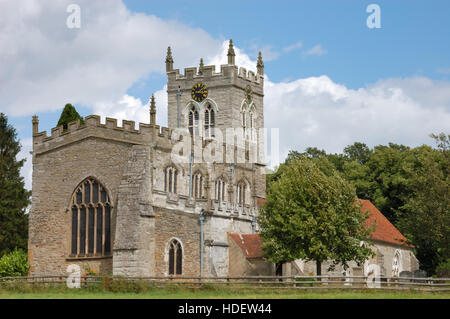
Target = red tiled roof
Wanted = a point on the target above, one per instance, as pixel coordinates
(260, 202)
(384, 231)
(250, 244)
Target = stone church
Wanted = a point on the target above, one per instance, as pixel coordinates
(162, 201)
(127, 201)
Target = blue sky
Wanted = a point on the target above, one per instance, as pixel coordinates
(414, 38)
(329, 73)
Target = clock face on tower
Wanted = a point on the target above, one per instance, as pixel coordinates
(248, 93)
(199, 92)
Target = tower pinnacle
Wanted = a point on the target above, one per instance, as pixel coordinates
(231, 53)
(152, 110)
(35, 122)
(169, 60)
(200, 68)
(260, 65)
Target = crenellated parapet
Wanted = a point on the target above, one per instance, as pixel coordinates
(208, 72)
(162, 138)
(92, 127)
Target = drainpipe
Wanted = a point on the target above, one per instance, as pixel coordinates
(254, 225)
(202, 219)
(190, 176)
(178, 106)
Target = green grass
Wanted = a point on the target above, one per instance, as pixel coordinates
(185, 293)
(120, 288)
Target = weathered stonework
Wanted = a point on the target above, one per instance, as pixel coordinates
(384, 255)
(131, 165)
(146, 217)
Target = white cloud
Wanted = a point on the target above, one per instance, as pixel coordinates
(293, 47)
(316, 111)
(316, 50)
(27, 169)
(45, 64)
(219, 57)
(131, 108)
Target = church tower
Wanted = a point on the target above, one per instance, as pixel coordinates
(133, 209)
(204, 100)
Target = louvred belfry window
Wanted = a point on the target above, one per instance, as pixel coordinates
(210, 122)
(193, 121)
(91, 220)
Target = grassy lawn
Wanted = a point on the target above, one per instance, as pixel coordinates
(183, 293)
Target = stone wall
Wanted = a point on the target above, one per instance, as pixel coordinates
(239, 265)
(135, 232)
(184, 227)
(383, 258)
(130, 163)
(56, 174)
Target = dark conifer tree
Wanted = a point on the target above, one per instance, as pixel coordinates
(14, 198)
(68, 115)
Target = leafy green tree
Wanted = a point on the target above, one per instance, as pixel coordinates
(14, 198)
(382, 177)
(324, 161)
(312, 215)
(14, 263)
(68, 115)
(358, 152)
(425, 218)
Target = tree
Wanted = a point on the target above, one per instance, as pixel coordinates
(381, 177)
(425, 218)
(359, 152)
(14, 198)
(68, 115)
(311, 215)
(14, 263)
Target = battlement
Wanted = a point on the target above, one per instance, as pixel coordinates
(209, 72)
(93, 127)
(249, 76)
(147, 134)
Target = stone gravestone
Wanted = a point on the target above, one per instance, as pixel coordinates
(420, 274)
(406, 274)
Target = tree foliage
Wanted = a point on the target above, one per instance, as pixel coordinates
(410, 186)
(68, 115)
(14, 264)
(14, 198)
(311, 214)
(425, 218)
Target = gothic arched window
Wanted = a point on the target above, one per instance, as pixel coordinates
(396, 264)
(220, 190)
(91, 220)
(251, 124)
(241, 187)
(244, 119)
(198, 185)
(175, 258)
(170, 180)
(193, 121)
(210, 121)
